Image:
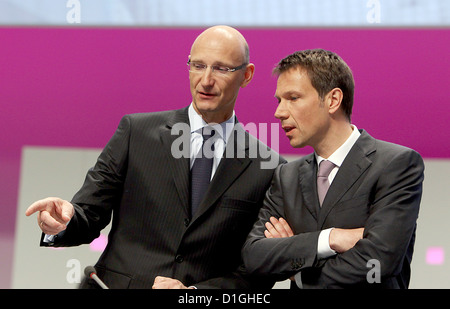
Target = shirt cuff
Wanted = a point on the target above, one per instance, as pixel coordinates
(323, 246)
(298, 280)
(49, 238)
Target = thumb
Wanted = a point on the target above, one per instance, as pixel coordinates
(67, 211)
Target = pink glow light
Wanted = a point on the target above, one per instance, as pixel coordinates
(99, 244)
(435, 256)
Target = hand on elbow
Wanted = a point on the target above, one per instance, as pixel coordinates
(342, 240)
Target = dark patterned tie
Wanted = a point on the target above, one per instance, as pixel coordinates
(325, 168)
(201, 170)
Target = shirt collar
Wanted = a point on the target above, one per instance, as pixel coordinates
(339, 155)
(197, 123)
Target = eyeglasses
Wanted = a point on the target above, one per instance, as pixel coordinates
(198, 67)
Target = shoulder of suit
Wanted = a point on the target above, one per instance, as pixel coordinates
(151, 115)
(159, 118)
(389, 149)
(273, 153)
(295, 164)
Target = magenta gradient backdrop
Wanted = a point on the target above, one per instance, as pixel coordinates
(70, 86)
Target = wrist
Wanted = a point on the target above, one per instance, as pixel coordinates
(324, 249)
(332, 240)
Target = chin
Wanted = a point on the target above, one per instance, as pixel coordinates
(205, 106)
(296, 144)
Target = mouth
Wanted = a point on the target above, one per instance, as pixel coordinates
(206, 95)
(287, 128)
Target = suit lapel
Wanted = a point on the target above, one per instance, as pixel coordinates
(308, 186)
(178, 167)
(230, 167)
(354, 165)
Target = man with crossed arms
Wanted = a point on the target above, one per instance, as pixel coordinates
(325, 239)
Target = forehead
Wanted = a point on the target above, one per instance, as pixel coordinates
(294, 79)
(215, 50)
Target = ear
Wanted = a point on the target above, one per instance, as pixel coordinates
(248, 75)
(334, 100)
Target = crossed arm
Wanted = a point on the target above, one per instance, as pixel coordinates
(272, 248)
(340, 240)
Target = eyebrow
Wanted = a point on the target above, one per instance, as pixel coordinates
(276, 97)
(214, 63)
(288, 93)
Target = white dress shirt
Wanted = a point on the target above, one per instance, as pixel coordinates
(337, 157)
(223, 132)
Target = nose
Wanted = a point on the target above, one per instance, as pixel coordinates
(281, 113)
(207, 77)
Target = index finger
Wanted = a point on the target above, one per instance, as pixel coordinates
(36, 206)
(286, 226)
(282, 227)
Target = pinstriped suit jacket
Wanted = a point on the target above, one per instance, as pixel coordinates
(138, 182)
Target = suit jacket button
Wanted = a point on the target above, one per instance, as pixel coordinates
(179, 258)
(186, 222)
(296, 264)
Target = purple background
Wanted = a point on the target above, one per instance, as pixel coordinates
(70, 86)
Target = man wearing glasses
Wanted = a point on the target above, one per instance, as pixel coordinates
(177, 221)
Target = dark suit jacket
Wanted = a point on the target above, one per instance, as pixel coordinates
(378, 187)
(138, 181)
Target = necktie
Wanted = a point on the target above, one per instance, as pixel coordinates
(201, 170)
(325, 168)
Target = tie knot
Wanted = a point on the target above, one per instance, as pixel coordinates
(207, 133)
(325, 168)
